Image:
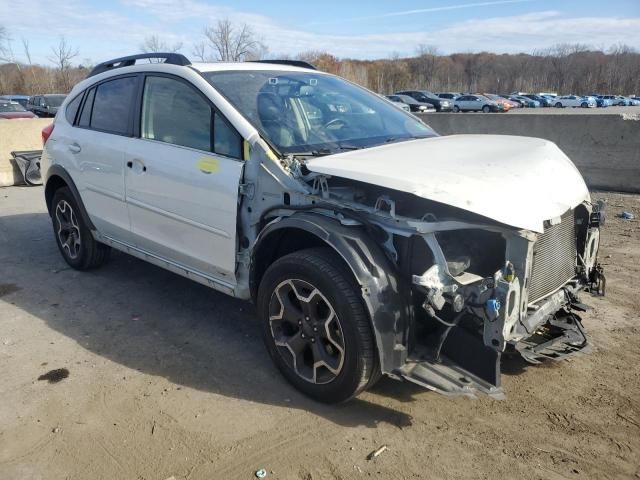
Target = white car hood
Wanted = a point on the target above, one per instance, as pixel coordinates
(518, 181)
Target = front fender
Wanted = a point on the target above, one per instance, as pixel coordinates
(385, 296)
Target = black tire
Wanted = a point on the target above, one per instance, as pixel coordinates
(486, 109)
(456, 108)
(584, 105)
(74, 239)
(558, 105)
(321, 270)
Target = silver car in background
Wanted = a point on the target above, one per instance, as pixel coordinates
(476, 103)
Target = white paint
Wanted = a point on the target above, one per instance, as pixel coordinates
(518, 181)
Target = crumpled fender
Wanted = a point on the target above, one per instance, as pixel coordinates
(384, 295)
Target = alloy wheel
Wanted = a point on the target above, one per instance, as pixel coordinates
(68, 229)
(306, 331)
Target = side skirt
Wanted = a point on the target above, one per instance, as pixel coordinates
(181, 270)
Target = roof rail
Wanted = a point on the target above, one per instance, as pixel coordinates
(170, 58)
(293, 63)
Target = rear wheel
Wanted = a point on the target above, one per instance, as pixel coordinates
(315, 327)
(584, 105)
(558, 105)
(486, 109)
(75, 241)
(456, 108)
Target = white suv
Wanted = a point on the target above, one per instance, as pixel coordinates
(369, 244)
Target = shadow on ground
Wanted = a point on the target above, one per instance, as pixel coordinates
(159, 323)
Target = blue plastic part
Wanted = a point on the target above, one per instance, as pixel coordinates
(493, 307)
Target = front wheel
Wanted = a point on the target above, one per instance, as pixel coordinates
(584, 105)
(456, 108)
(315, 327)
(558, 105)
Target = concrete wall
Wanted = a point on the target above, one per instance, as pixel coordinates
(604, 147)
(22, 134)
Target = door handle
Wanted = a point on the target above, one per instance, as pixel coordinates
(75, 148)
(140, 167)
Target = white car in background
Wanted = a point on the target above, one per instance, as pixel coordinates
(574, 101)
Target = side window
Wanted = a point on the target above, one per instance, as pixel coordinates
(173, 112)
(112, 105)
(72, 109)
(85, 116)
(225, 138)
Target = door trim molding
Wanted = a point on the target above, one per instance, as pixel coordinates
(178, 218)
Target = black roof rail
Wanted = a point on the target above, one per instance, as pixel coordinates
(293, 63)
(170, 58)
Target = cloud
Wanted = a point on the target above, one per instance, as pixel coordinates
(420, 11)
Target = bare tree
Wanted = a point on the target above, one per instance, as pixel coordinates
(233, 44)
(199, 51)
(61, 57)
(154, 44)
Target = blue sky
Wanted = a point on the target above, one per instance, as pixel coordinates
(371, 29)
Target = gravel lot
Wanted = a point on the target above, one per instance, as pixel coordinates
(170, 379)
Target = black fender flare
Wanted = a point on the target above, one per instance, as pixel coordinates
(53, 173)
(384, 295)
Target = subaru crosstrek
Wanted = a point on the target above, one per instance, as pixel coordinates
(369, 244)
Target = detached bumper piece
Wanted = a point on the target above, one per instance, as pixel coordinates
(560, 338)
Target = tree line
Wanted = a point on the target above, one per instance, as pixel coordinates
(563, 68)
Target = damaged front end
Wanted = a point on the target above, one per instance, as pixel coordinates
(484, 290)
(476, 288)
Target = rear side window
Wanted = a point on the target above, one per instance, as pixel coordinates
(112, 105)
(85, 116)
(72, 109)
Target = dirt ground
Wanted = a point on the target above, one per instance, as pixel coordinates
(168, 379)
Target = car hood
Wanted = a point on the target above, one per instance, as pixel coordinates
(518, 181)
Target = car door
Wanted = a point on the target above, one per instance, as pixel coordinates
(182, 179)
(465, 103)
(103, 131)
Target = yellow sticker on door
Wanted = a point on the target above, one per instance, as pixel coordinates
(208, 165)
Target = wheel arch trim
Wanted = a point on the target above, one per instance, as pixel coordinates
(384, 296)
(55, 174)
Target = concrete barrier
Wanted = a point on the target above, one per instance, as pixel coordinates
(23, 134)
(604, 147)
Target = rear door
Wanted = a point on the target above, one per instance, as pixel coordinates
(182, 179)
(103, 132)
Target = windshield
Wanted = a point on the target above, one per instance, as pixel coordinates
(308, 113)
(54, 100)
(11, 107)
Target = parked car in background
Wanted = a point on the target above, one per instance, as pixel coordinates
(574, 101)
(525, 101)
(449, 95)
(21, 99)
(600, 101)
(506, 103)
(544, 101)
(440, 104)
(10, 110)
(414, 105)
(632, 102)
(45, 105)
(477, 103)
(615, 100)
(397, 103)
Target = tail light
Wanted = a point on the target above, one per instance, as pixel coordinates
(46, 133)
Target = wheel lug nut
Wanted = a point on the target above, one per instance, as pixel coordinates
(306, 318)
(315, 329)
(299, 322)
(313, 340)
(303, 335)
